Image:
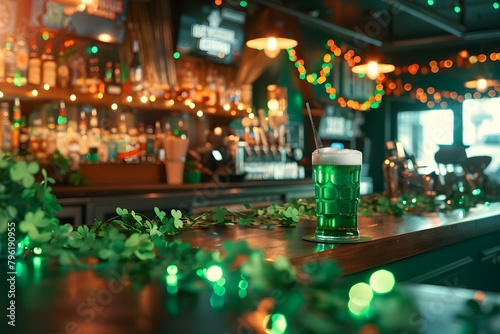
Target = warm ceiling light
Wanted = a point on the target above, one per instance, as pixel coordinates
(272, 45)
(373, 69)
(481, 84)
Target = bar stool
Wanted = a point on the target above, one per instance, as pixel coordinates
(450, 160)
(474, 171)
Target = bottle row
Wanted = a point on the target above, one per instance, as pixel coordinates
(82, 68)
(83, 140)
(35, 62)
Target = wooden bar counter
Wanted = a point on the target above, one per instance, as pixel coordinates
(439, 248)
(424, 248)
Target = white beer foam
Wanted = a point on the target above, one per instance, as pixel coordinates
(335, 156)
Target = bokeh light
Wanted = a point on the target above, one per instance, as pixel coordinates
(382, 281)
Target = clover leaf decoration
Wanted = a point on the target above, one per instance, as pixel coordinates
(24, 172)
(177, 214)
(220, 214)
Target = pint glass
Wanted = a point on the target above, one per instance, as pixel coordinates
(336, 184)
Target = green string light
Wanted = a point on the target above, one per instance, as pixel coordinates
(457, 9)
(496, 5)
(430, 2)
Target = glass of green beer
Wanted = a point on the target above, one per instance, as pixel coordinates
(336, 175)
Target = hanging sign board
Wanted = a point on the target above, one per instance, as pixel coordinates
(103, 20)
(214, 32)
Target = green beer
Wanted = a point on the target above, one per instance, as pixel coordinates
(336, 183)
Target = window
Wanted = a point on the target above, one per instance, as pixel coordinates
(421, 133)
(481, 131)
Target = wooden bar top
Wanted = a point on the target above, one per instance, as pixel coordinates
(82, 301)
(392, 238)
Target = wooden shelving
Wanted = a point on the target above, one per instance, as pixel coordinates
(70, 96)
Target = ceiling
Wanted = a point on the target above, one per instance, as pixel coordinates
(399, 25)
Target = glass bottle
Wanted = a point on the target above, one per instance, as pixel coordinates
(136, 75)
(6, 128)
(9, 59)
(123, 137)
(16, 125)
(63, 72)
(142, 138)
(22, 60)
(159, 136)
(49, 66)
(62, 129)
(117, 74)
(37, 146)
(51, 135)
(150, 145)
(108, 72)
(34, 64)
(93, 79)
(24, 137)
(94, 137)
(2, 66)
(83, 138)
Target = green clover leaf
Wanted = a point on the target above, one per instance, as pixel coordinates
(24, 172)
(220, 214)
(292, 213)
(37, 218)
(177, 214)
(137, 217)
(160, 214)
(121, 212)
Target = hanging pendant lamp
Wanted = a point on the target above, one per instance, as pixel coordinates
(372, 67)
(273, 38)
(480, 84)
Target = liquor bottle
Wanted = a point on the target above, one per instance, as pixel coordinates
(62, 119)
(51, 135)
(16, 125)
(9, 59)
(82, 137)
(122, 138)
(62, 129)
(112, 84)
(113, 145)
(2, 66)
(103, 150)
(22, 59)
(94, 138)
(6, 145)
(49, 66)
(93, 78)
(37, 145)
(136, 75)
(34, 64)
(117, 74)
(24, 137)
(108, 72)
(63, 72)
(150, 145)
(142, 139)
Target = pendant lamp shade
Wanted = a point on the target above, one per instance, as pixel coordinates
(272, 38)
(372, 66)
(481, 84)
(272, 45)
(373, 69)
